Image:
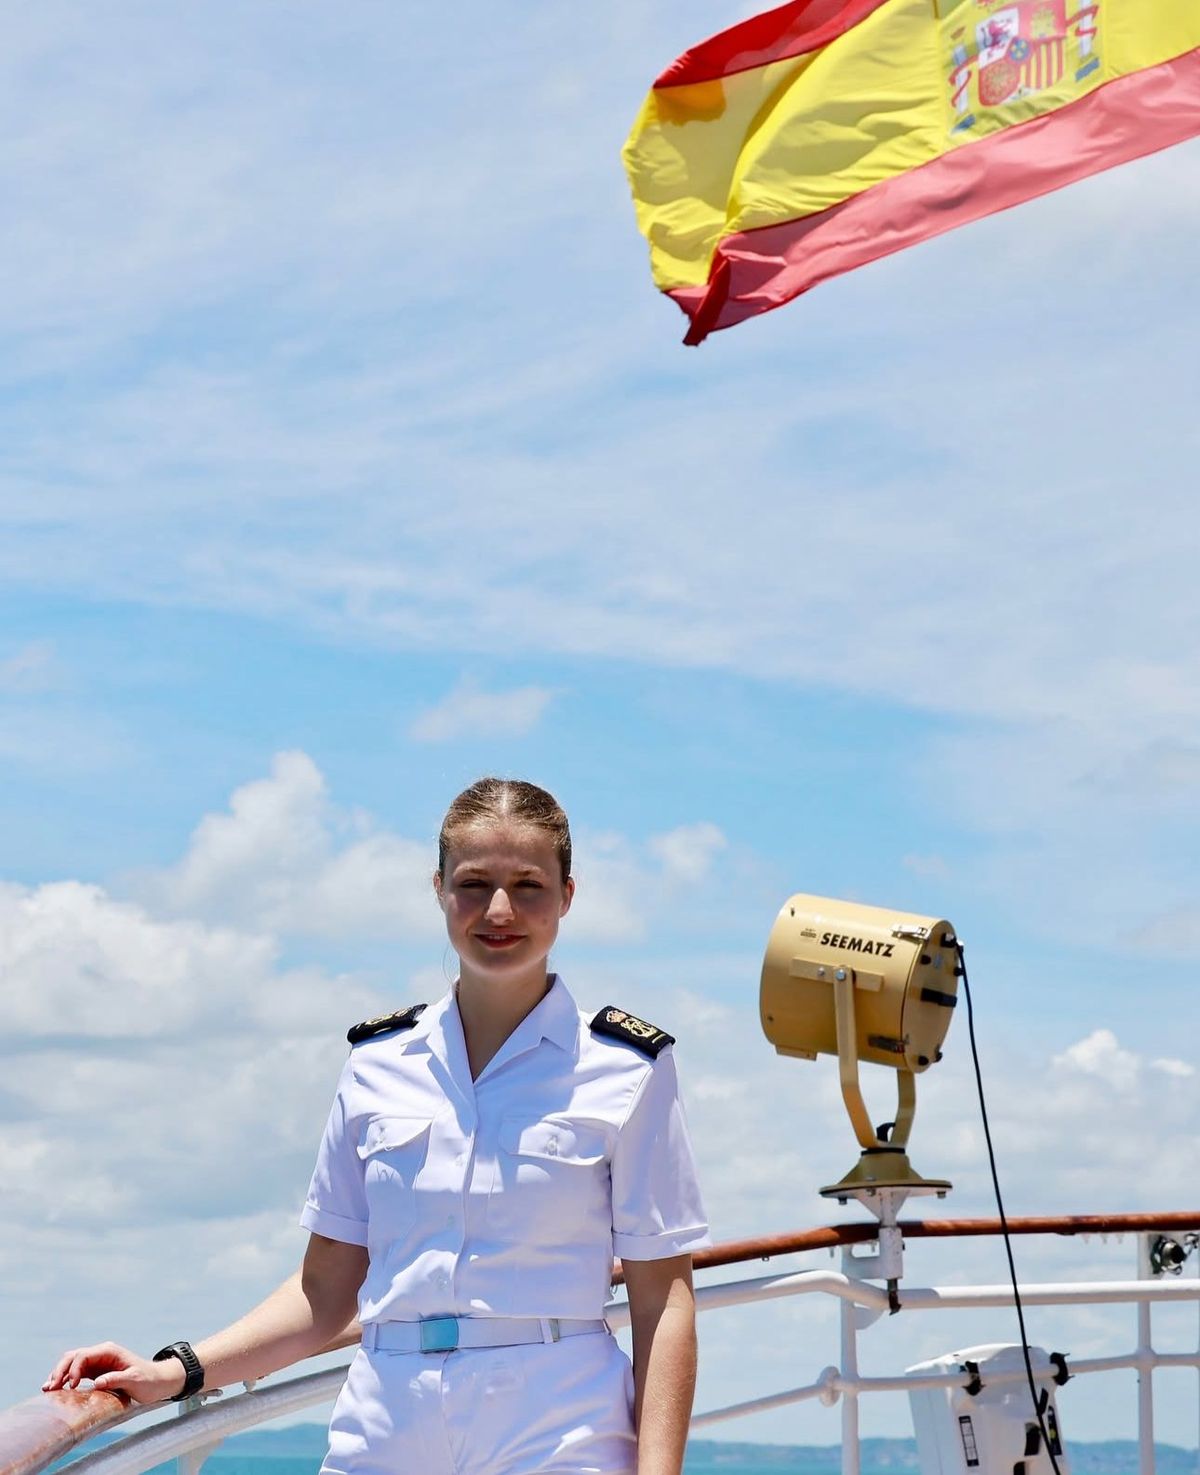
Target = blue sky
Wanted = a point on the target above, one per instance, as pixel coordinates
(348, 453)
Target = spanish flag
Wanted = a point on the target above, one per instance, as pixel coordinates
(828, 133)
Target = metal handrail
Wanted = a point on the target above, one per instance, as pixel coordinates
(35, 1433)
(205, 1427)
(831, 1385)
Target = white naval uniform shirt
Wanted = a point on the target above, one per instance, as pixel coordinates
(510, 1194)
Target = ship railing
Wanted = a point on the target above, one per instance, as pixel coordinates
(36, 1433)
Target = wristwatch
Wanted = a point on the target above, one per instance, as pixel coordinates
(194, 1373)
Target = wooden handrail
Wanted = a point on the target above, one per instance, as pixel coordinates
(35, 1432)
(737, 1251)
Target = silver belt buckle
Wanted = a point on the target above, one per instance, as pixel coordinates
(439, 1334)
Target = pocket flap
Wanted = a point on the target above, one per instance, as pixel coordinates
(385, 1132)
(553, 1138)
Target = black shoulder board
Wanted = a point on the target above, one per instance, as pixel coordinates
(385, 1023)
(647, 1038)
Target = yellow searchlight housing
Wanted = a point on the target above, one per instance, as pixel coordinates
(863, 983)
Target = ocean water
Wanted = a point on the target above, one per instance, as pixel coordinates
(297, 1450)
(231, 1463)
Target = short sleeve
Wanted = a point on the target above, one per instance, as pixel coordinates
(656, 1206)
(336, 1205)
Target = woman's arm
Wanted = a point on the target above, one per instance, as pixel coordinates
(299, 1318)
(662, 1312)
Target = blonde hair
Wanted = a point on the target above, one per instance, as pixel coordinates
(507, 799)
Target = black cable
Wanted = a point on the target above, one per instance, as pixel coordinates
(1012, 1268)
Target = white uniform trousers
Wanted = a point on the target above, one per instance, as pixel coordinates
(558, 1408)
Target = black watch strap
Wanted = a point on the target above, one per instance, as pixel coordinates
(194, 1373)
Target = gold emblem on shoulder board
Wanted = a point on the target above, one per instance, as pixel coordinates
(643, 1036)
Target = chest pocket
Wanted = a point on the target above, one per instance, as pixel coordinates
(393, 1152)
(551, 1178)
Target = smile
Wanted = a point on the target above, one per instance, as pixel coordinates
(499, 940)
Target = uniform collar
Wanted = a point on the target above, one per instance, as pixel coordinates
(431, 1017)
(554, 1017)
(438, 1034)
(557, 1016)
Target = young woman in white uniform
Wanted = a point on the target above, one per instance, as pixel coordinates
(484, 1159)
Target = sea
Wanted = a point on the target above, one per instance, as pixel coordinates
(297, 1450)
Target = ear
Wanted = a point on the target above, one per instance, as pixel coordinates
(568, 896)
(437, 890)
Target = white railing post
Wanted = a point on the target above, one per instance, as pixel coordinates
(1145, 1366)
(848, 1366)
(190, 1462)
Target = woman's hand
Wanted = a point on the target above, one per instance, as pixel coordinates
(117, 1370)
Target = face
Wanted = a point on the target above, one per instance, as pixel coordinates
(503, 896)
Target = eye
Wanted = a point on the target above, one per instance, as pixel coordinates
(530, 884)
(471, 884)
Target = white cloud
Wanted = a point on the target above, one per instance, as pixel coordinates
(623, 887)
(687, 853)
(284, 858)
(139, 1050)
(468, 711)
(78, 963)
(1096, 1126)
(611, 902)
(1173, 1067)
(1100, 1055)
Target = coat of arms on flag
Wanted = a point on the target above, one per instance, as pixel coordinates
(1017, 49)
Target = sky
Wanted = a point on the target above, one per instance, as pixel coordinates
(347, 453)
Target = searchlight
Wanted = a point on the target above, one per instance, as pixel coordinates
(865, 984)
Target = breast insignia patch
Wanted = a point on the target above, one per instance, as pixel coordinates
(647, 1038)
(385, 1024)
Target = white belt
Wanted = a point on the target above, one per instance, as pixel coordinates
(446, 1333)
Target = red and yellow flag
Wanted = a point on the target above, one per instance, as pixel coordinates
(828, 133)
